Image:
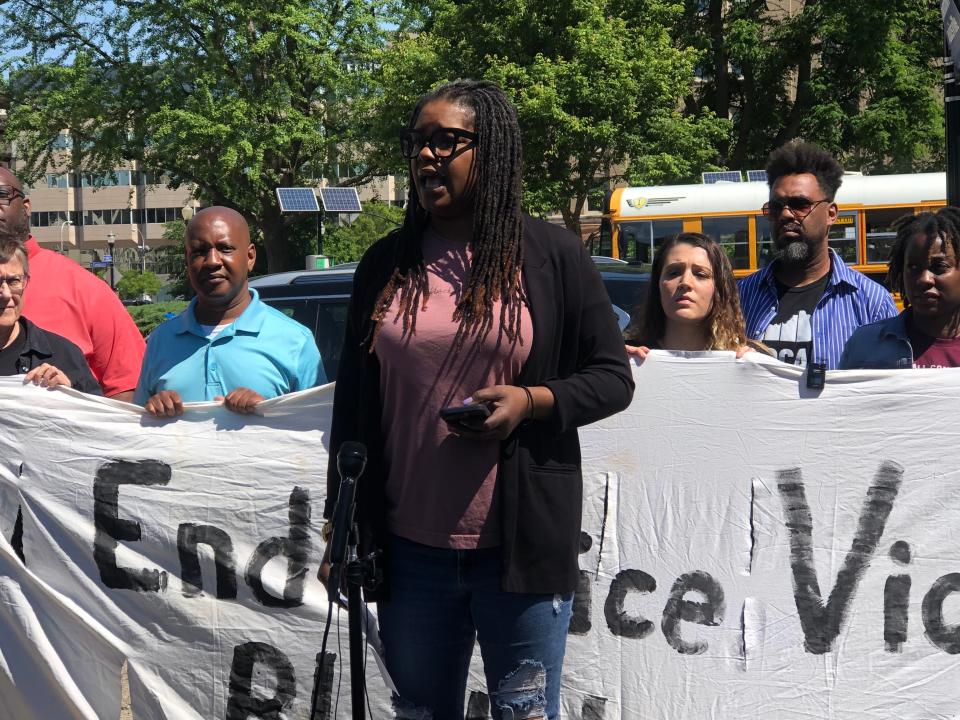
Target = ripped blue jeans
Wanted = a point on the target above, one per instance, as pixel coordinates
(440, 601)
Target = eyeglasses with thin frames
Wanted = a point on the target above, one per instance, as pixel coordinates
(8, 194)
(443, 142)
(799, 207)
(15, 283)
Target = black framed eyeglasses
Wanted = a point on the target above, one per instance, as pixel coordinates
(8, 193)
(800, 207)
(443, 142)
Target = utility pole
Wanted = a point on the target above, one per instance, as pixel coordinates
(951, 96)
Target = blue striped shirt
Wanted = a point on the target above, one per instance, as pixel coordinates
(850, 300)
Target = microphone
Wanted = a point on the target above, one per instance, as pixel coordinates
(351, 461)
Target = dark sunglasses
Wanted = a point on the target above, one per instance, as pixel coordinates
(443, 142)
(799, 206)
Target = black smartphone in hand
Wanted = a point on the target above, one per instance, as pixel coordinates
(470, 417)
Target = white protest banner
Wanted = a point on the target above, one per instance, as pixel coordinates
(751, 549)
(770, 551)
(123, 517)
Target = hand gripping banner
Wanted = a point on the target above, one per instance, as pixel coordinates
(750, 549)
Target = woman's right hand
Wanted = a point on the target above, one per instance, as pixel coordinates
(638, 351)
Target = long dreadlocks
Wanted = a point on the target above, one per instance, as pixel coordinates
(495, 187)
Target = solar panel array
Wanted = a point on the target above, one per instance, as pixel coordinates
(297, 199)
(722, 176)
(756, 175)
(340, 199)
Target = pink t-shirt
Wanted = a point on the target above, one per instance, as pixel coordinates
(68, 300)
(441, 489)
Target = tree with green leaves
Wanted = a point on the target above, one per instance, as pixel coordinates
(135, 284)
(860, 78)
(599, 92)
(234, 97)
(347, 242)
(171, 259)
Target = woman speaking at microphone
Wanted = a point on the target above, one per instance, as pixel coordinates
(478, 340)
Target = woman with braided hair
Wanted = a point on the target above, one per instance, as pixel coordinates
(472, 303)
(925, 270)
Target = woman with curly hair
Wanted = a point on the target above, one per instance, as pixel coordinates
(692, 303)
(925, 270)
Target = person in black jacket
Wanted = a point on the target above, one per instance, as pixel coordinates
(44, 358)
(471, 303)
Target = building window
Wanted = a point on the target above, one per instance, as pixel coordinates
(58, 180)
(111, 179)
(152, 177)
(46, 218)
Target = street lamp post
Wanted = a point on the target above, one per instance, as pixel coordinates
(144, 249)
(63, 224)
(111, 242)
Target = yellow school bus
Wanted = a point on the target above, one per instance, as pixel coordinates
(637, 219)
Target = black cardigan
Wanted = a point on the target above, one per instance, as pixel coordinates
(577, 352)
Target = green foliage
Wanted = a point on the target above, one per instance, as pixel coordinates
(171, 259)
(598, 90)
(239, 97)
(347, 243)
(147, 317)
(134, 284)
(235, 97)
(861, 78)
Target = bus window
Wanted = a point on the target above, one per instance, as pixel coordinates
(880, 232)
(633, 242)
(732, 235)
(605, 246)
(638, 240)
(660, 230)
(764, 244)
(843, 237)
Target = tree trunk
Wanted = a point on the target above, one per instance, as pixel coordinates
(275, 237)
(721, 70)
(571, 217)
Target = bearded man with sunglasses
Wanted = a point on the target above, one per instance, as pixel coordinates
(806, 303)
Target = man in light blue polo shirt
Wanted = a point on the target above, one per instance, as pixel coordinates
(227, 344)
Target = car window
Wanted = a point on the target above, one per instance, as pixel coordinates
(323, 308)
(326, 319)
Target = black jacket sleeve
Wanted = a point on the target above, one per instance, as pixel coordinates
(602, 383)
(79, 373)
(356, 398)
(63, 355)
(346, 420)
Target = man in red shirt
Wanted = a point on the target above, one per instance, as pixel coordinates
(64, 298)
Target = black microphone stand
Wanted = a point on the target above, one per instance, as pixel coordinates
(346, 567)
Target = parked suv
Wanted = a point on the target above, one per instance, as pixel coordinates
(318, 299)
